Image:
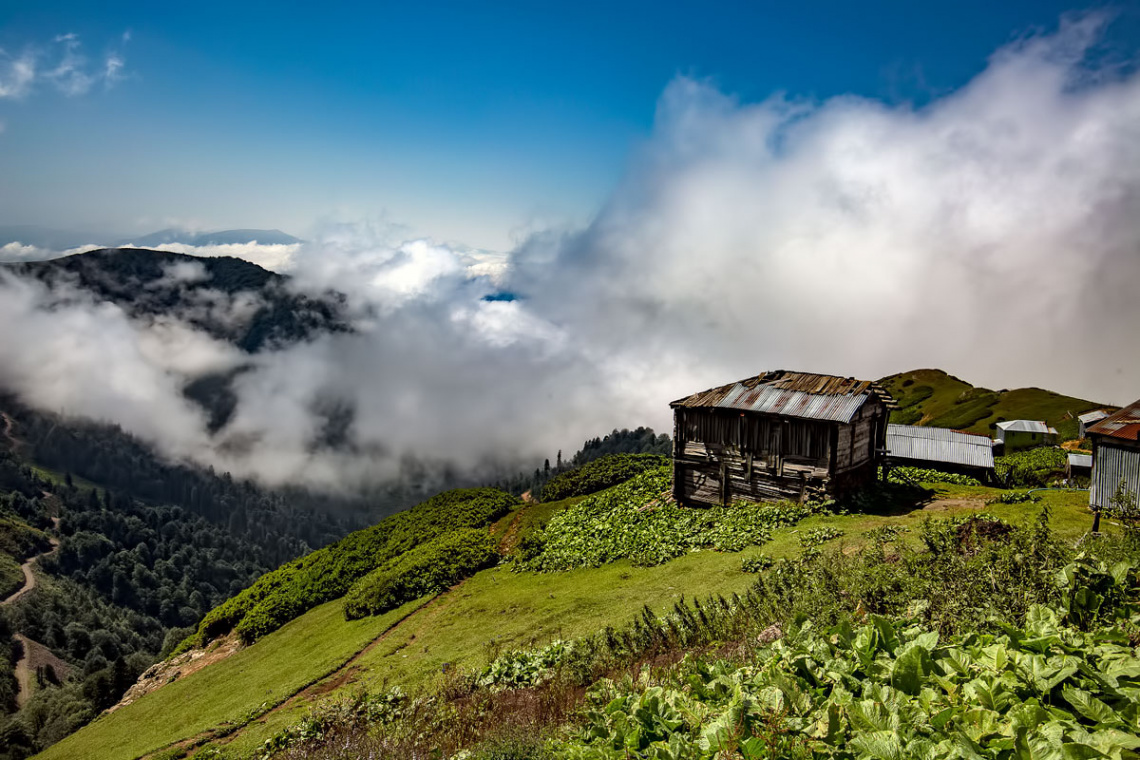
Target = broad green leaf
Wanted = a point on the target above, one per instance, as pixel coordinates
(882, 745)
(1090, 707)
(1077, 751)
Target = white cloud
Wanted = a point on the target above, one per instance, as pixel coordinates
(16, 74)
(17, 251)
(62, 65)
(992, 232)
(112, 68)
(276, 258)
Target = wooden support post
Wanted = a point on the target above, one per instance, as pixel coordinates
(725, 488)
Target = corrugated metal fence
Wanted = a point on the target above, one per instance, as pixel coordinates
(1112, 465)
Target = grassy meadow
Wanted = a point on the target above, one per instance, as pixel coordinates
(241, 701)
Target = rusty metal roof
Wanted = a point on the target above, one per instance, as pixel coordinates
(1124, 424)
(940, 445)
(792, 394)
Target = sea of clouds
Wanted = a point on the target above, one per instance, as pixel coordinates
(993, 232)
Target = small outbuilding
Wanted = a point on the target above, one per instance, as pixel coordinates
(941, 449)
(1079, 465)
(1088, 419)
(1016, 435)
(1116, 456)
(779, 435)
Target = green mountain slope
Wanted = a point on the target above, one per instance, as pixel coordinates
(935, 398)
(234, 705)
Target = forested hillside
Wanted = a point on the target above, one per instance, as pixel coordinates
(150, 284)
(145, 549)
(641, 440)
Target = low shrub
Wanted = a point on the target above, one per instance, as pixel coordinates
(638, 520)
(328, 573)
(1032, 468)
(429, 568)
(757, 564)
(598, 475)
(1014, 497)
(526, 667)
(905, 475)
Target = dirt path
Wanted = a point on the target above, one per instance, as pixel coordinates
(23, 671)
(29, 576)
(33, 654)
(327, 683)
(13, 442)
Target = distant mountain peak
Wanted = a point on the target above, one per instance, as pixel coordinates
(175, 236)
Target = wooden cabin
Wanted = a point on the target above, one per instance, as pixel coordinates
(780, 435)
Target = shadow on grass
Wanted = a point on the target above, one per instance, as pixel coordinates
(888, 499)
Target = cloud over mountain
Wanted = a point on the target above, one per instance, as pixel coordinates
(992, 232)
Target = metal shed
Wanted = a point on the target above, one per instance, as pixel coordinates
(940, 449)
(1088, 419)
(1116, 456)
(1079, 465)
(1016, 435)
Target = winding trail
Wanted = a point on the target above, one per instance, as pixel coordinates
(13, 442)
(31, 651)
(29, 576)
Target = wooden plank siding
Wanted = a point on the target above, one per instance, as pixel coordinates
(723, 455)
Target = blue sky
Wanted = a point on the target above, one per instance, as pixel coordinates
(467, 122)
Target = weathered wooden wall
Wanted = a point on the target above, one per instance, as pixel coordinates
(723, 455)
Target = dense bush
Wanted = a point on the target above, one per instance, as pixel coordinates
(906, 475)
(328, 573)
(638, 520)
(599, 475)
(1032, 468)
(19, 540)
(885, 689)
(429, 568)
(914, 395)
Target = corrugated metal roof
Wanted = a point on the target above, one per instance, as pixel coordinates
(1026, 426)
(792, 394)
(1124, 424)
(1090, 417)
(1080, 460)
(939, 445)
(1112, 465)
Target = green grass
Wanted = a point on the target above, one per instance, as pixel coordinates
(1070, 517)
(20, 540)
(493, 611)
(230, 692)
(59, 478)
(500, 609)
(11, 576)
(954, 403)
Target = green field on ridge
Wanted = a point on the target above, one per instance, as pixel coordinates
(933, 397)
